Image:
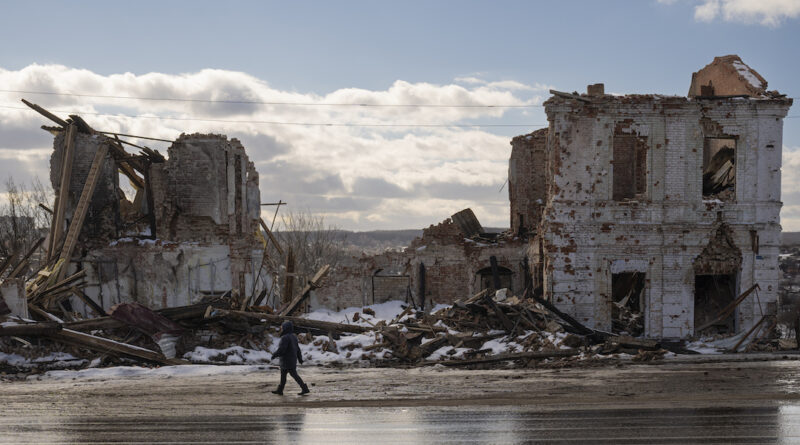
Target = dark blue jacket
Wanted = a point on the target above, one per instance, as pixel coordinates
(288, 349)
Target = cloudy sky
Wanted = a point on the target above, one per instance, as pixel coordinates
(289, 78)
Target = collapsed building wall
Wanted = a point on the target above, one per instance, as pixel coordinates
(625, 195)
(441, 266)
(189, 232)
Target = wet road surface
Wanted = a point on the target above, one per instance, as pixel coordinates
(427, 426)
(677, 404)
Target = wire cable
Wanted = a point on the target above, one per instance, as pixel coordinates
(256, 102)
(309, 124)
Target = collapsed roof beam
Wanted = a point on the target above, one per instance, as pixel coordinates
(46, 114)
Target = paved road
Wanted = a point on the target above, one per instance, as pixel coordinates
(678, 404)
(421, 425)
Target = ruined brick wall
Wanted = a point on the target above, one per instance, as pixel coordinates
(451, 271)
(207, 191)
(727, 76)
(102, 218)
(446, 232)
(526, 181)
(666, 225)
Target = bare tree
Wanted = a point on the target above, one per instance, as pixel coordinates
(22, 220)
(312, 244)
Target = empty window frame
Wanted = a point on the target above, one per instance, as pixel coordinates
(719, 168)
(630, 167)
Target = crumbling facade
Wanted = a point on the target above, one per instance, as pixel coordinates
(659, 205)
(449, 262)
(189, 232)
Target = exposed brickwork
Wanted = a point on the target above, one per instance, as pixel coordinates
(526, 180)
(206, 207)
(587, 235)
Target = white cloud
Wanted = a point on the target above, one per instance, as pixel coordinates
(790, 187)
(314, 167)
(765, 12)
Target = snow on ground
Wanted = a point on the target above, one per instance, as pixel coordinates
(137, 371)
(348, 349)
(384, 311)
(52, 360)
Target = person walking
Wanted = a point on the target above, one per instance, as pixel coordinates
(289, 353)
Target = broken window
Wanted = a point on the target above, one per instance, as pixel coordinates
(630, 167)
(712, 294)
(626, 303)
(487, 279)
(719, 169)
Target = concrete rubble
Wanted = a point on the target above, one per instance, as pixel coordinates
(637, 222)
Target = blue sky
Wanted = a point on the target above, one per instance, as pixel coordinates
(319, 49)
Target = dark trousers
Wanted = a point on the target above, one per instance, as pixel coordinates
(293, 373)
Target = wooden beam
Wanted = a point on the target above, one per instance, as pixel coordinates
(56, 231)
(727, 310)
(135, 137)
(313, 284)
(24, 260)
(190, 312)
(271, 236)
(288, 278)
(30, 329)
(326, 326)
(88, 301)
(105, 345)
(82, 208)
(583, 330)
(569, 96)
(8, 262)
(507, 323)
(46, 114)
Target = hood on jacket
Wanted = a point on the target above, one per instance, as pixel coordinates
(287, 328)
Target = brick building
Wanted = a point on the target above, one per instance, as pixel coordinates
(662, 206)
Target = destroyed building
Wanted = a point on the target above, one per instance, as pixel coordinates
(189, 229)
(450, 260)
(664, 206)
(648, 215)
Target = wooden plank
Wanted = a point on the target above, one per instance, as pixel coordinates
(46, 114)
(24, 261)
(727, 310)
(288, 277)
(749, 332)
(271, 236)
(82, 207)
(30, 329)
(298, 322)
(61, 285)
(88, 301)
(507, 323)
(56, 231)
(583, 330)
(569, 96)
(313, 284)
(105, 345)
(44, 314)
(190, 312)
(8, 262)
